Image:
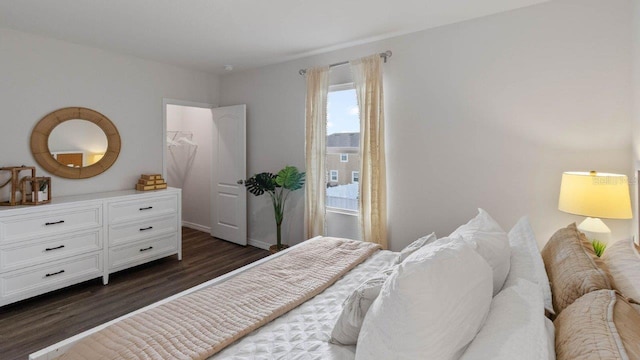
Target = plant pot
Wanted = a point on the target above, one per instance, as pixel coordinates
(42, 196)
(274, 248)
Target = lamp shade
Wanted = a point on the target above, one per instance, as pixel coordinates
(595, 194)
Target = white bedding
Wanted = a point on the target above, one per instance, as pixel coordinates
(304, 332)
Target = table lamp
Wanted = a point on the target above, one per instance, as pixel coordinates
(595, 195)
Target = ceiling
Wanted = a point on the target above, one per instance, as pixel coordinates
(207, 34)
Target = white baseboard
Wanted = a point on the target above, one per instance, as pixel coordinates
(259, 244)
(194, 226)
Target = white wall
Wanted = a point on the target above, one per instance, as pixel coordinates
(485, 113)
(188, 166)
(39, 75)
(342, 225)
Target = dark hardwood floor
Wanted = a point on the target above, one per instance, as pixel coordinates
(36, 323)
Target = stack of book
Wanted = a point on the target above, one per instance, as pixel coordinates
(151, 182)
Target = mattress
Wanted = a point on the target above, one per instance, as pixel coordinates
(304, 332)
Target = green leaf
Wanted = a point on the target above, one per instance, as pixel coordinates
(259, 183)
(290, 178)
(599, 247)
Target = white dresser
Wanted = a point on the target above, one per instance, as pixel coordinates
(77, 238)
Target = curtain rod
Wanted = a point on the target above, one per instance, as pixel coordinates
(385, 55)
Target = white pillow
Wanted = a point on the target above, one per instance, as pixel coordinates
(515, 328)
(526, 261)
(414, 246)
(623, 262)
(491, 242)
(431, 306)
(355, 307)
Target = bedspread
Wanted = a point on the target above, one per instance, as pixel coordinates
(202, 323)
(304, 332)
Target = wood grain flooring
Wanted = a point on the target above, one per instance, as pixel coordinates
(36, 323)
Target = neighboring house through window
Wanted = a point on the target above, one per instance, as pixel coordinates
(343, 148)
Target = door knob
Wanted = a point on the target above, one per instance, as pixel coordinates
(240, 182)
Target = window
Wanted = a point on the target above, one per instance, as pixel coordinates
(343, 148)
(333, 176)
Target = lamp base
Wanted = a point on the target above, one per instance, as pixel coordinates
(595, 229)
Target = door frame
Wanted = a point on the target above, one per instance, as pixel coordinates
(169, 101)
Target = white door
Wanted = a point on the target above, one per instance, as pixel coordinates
(228, 195)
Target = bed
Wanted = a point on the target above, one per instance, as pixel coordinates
(503, 313)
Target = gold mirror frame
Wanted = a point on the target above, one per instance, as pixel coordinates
(40, 142)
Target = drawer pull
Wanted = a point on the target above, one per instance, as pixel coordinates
(55, 273)
(54, 223)
(147, 228)
(54, 248)
(146, 208)
(145, 249)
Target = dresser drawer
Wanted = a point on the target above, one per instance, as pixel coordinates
(49, 222)
(32, 281)
(142, 229)
(25, 254)
(133, 254)
(122, 211)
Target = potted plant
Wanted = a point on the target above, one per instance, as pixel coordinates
(278, 186)
(42, 194)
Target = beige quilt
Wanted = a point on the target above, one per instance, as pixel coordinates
(600, 325)
(573, 267)
(202, 323)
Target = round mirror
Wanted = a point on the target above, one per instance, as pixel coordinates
(75, 143)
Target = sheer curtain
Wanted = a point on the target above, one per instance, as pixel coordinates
(316, 135)
(367, 75)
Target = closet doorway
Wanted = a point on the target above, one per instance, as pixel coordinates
(205, 156)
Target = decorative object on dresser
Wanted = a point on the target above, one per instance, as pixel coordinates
(82, 237)
(595, 195)
(35, 190)
(278, 187)
(149, 182)
(83, 160)
(14, 181)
